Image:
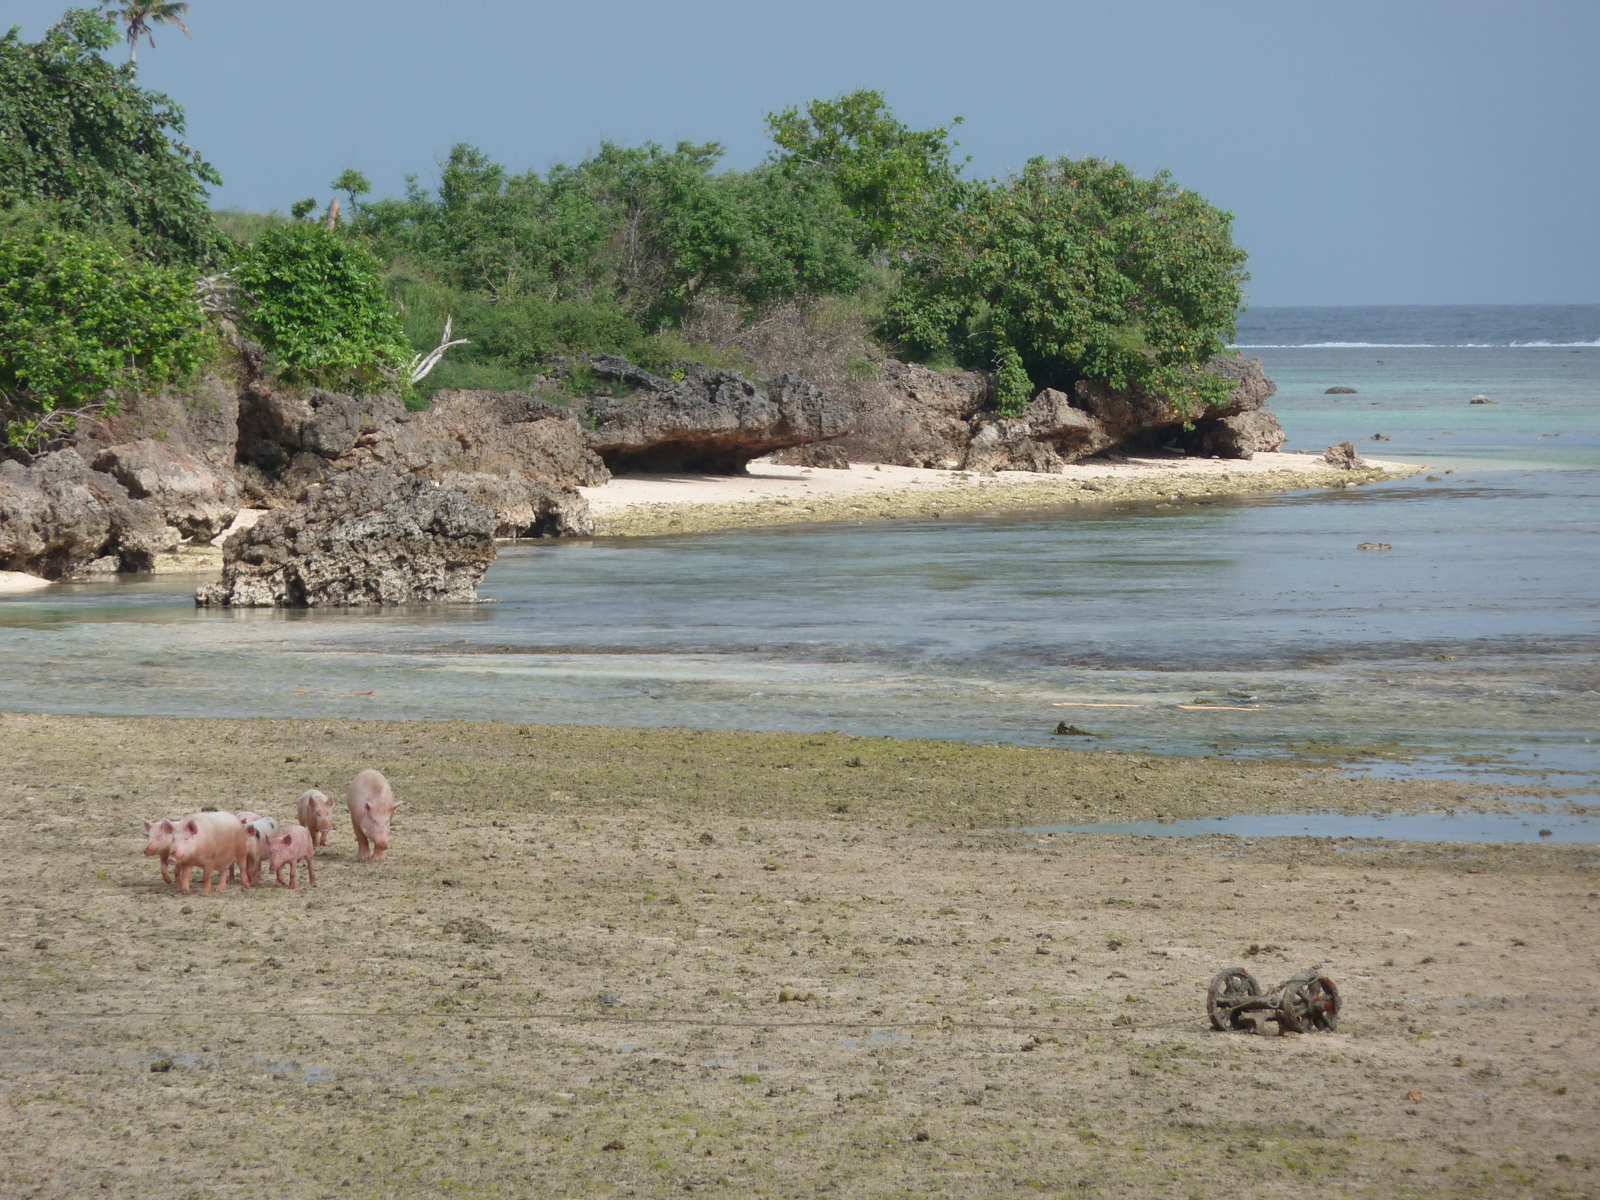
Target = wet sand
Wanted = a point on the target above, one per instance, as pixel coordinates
(780, 495)
(570, 976)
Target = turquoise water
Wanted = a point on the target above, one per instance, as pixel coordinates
(1468, 649)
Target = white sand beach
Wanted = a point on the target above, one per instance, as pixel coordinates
(772, 494)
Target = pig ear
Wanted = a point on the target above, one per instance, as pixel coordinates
(149, 825)
(399, 803)
(192, 826)
(366, 806)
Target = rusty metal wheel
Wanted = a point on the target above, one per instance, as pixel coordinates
(1227, 989)
(1310, 1001)
(1323, 994)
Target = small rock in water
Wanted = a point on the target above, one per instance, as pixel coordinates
(1375, 546)
(1480, 400)
(1382, 437)
(1340, 391)
(1073, 730)
(1444, 658)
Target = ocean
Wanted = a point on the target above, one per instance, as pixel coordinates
(1246, 627)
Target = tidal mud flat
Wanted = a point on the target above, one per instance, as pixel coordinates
(609, 962)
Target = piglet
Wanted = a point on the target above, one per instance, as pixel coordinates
(257, 835)
(160, 842)
(316, 814)
(212, 841)
(372, 804)
(288, 849)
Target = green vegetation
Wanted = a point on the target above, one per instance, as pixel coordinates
(79, 135)
(897, 181)
(316, 300)
(1079, 270)
(83, 324)
(858, 229)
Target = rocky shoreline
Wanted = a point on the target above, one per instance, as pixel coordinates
(310, 498)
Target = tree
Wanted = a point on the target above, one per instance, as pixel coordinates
(140, 15)
(315, 298)
(79, 134)
(1078, 269)
(354, 184)
(896, 180)
(646, 228)
(81, 325)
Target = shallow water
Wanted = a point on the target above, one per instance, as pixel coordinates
(1471, 648)
(1563, 828)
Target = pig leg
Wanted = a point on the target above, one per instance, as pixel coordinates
(363, 847)
(244, 873)
(311, 876)
(205, 881)
(166, 869)
(293, 877)
(181, 877)
(222, 878)
(279, 876)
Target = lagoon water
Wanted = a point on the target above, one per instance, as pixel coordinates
(1472, 647)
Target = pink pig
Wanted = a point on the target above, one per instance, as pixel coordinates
(160, 835)
(247, 817)
(316, 814)
(211, 841)
(288, 849)
(372, 804)
(258, 834)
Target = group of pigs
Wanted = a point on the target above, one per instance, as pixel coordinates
(225, 842)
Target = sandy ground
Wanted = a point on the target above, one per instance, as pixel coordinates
(569, 977)
(771, 494)
(15, 582)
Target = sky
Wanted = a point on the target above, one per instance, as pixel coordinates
(1405, 152)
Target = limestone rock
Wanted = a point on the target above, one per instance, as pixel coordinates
(1243, 435)
(494, 433)
(58, 515)
(913, 416)
(709, 421)
(1006, 444)
(369, 536)
(1344, 456)
(276, 425)
(1340, 391)
(201, 421)
(827, 455)
(192, 496)
(525, 508)
(1072, 433)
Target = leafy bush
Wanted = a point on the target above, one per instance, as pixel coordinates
(316, 300)
(81, 322)
(644, 230)
(1080, 270)
(897, 181)
(78, 133)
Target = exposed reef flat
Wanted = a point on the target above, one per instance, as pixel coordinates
(602, 961)
(772, 494)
